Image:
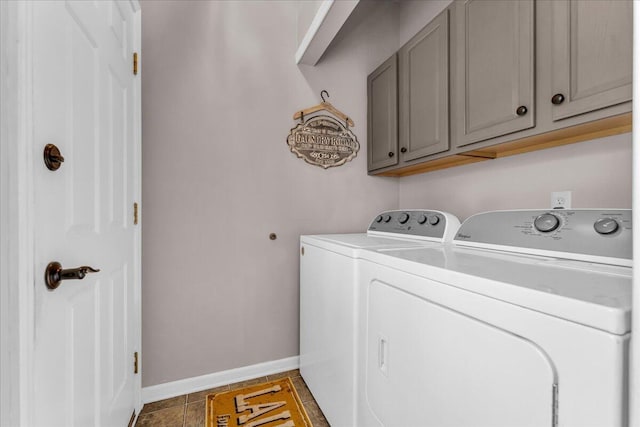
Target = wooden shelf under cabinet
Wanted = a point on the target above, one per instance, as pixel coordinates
(597, 129)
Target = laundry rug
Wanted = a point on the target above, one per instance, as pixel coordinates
(271, 404)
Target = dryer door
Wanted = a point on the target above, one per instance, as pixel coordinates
(431, 366)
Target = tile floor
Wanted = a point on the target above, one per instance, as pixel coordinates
(189, 410)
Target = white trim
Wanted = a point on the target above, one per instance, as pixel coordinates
(321, 14)
(326, 24)
(634, 358)
(203, 382)
(16, 221)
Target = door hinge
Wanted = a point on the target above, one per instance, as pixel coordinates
(135, 362)
(135, 214)
(554, 408)
(135, 63)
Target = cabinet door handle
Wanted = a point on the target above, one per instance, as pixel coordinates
(403, 150)
(557, 99)
(391, 154)
(521, 110)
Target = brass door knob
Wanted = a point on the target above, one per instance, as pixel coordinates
(54, 274)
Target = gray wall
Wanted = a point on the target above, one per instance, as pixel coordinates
(219, 88)
(597, 172)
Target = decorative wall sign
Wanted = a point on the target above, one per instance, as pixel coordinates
(323, 141)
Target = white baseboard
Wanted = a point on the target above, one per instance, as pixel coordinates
(190, 385)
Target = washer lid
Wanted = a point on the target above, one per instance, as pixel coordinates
(594, 295)
(350, 244)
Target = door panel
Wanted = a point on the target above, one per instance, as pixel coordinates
(424, 91)
(431, 366)
(84, 103)
(592, 54)
(382, 120)
(494, 68)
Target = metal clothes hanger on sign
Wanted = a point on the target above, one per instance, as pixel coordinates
(324, 106)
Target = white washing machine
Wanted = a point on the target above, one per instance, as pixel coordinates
(328, 296)
(523, 321)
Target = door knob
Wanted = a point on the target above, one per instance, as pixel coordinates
(521, 110)
(54, 274)
(52, 157)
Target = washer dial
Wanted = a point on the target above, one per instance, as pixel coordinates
(422, 219)
(546, 222)
(387, 218)
(433, 220)
(404, 217)
(606, 226)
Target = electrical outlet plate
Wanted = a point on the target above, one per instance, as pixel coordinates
(561, 200)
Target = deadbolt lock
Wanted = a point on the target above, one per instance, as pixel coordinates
(52, 157)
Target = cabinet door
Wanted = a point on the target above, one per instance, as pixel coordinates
(424, 91)
(592, 58)
(382, 115)
(494, 68)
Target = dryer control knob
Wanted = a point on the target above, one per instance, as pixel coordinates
(422, 219)
(404, 217)
(387, 218)
(379, 218)
(433, 220)
(546, 222)
(606, 225)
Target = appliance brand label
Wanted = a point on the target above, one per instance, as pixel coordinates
(323, 141)
(463, 236)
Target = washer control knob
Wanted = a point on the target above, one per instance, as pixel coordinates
(379, 219)
(404, 217)
(433, 220)
(387, 218)
(606, 225)
(546, 222)
(422, 219)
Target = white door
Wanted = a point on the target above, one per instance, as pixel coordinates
(85, 102)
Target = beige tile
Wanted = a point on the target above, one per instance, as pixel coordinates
(315, 414)
(301, 388)
(169, 417)
(201, 395)
(247, 383)
(292, 374)
(163, 404)
(195, 414)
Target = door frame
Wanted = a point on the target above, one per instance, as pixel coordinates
(17, 220)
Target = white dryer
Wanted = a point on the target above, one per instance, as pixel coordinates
(328, 296)
(523, 321)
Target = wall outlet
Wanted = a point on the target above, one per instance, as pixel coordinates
(561, 200)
